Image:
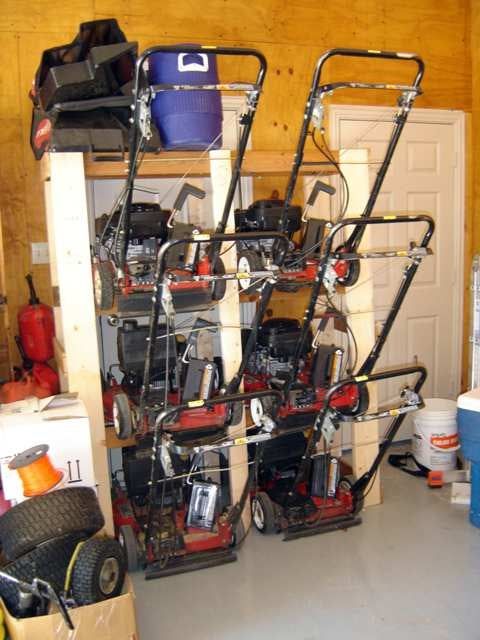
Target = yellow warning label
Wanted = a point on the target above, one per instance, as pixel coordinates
(394, 412)
(243, 275)
(196, 403)
(208, 46)
(400, 254)
(361, 378)
(374, 51)
(389, 217)
(240, 441)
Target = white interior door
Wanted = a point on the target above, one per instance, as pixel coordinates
(426, 175)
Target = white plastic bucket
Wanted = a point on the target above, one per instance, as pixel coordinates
(435, 437)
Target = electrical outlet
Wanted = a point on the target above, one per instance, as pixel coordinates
(40, 253)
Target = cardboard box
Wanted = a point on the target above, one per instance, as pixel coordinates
(59, 421)
(109, 620)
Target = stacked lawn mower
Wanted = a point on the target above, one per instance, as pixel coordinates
(174, 511)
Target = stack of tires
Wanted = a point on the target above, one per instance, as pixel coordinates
(50, 537)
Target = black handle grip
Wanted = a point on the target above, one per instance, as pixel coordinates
(34, 299)
(317, 187)
(186, 191)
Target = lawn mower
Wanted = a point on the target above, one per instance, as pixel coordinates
(287, 358)
(301, 262)
(150, 226)
(301, 489)
(157, 364)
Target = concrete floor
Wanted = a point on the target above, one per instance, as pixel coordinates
(412, 569)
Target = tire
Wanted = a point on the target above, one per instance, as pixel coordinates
(238, 535)
(347, 485)
(49, 561)
(235, 413)
(361, 405)
(128, 542)
(103, 285)
(219, 286)
(259, 407)
(353, 272)
(122, 416)
(99, 571)
(65, 511)
(263, 513)
(247, 262)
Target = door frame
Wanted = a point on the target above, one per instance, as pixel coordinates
(456, 119)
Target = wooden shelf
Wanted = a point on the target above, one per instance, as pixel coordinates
(170, 164)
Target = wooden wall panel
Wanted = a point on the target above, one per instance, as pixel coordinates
(291, 33)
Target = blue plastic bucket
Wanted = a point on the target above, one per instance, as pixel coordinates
(469, 431)
(186, 119)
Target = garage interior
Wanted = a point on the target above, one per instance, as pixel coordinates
(239, 319)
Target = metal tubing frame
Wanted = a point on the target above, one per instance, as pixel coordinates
(410, 93)
(160, 271)
(409, 273)
(316, 432)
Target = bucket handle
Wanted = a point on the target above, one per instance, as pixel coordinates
(192, 66)
(430, 443)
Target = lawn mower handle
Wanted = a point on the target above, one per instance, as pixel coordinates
(369, 53)
(405, 105)
(222, 399)
(387, 219)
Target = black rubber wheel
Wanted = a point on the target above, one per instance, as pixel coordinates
(360, 407)
(99, 571)
(49, 561)
(103, 284)
(238, 535)
(249, 261)
(235, 413)
(219, 286)
(353, 271)
(122, 416)
(347, 484)
(61, 512)
(263, 513)
(128, 542)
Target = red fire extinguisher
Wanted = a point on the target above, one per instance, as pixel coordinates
(36, 327)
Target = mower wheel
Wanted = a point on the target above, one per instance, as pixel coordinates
(219, 286)
(235, 413)
(238, 535)
(247, 262)
(99, 571)
(361, 405)
(55, 514)
(263, 513)
(128, 541)
(346, 484)
(260, 407)
(49, 561)
(122, 416)
(103, 285)
(353, 270)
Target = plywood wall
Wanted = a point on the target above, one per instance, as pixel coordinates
(291, 33)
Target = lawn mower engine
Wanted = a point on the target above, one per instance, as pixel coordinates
(319, 368)
(300, 263)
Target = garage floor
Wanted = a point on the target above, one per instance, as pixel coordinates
(412, 569)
